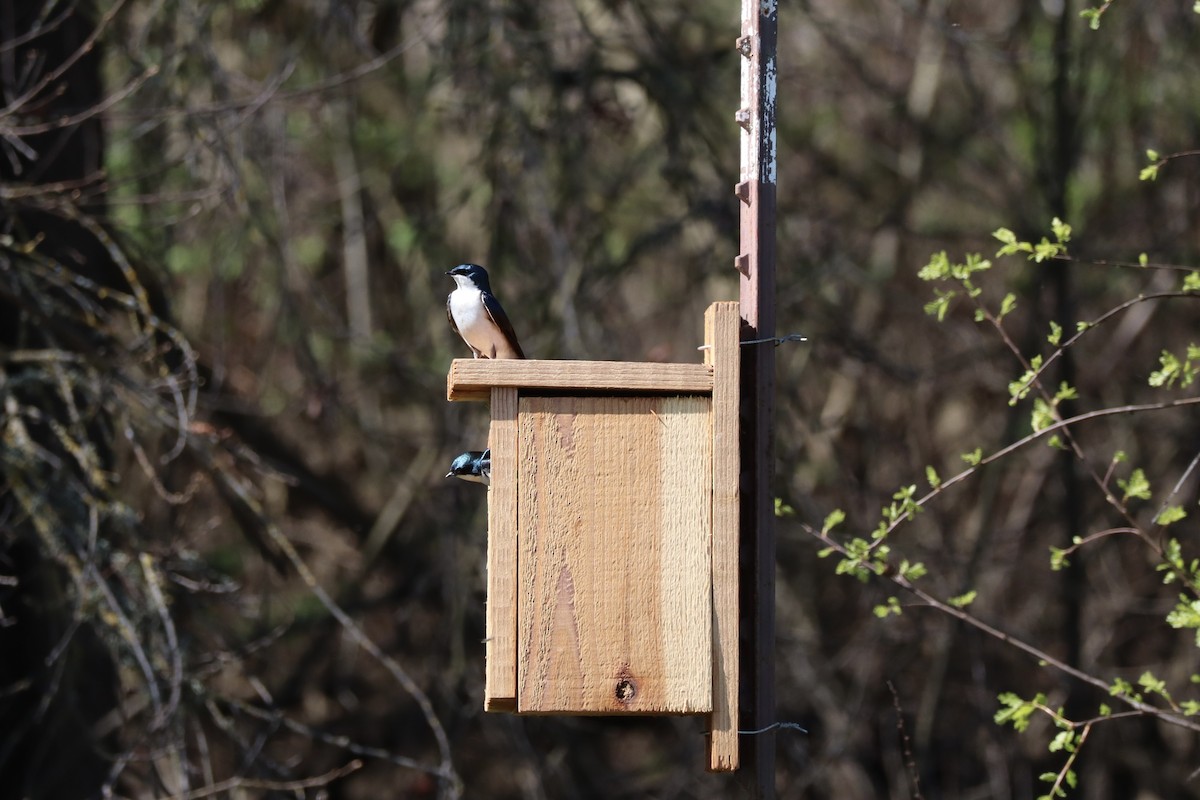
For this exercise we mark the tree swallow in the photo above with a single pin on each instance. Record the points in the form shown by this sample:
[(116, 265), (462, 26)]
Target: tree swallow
[(476, 315), (472, 466)]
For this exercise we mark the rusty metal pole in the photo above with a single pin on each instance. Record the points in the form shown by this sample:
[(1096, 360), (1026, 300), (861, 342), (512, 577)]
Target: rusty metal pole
[(756, 263)]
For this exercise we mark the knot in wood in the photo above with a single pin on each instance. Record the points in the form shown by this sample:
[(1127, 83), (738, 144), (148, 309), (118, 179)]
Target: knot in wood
[(626, 690)]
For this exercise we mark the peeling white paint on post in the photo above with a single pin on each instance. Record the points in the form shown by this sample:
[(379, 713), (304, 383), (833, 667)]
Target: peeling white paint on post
[(770, 80)]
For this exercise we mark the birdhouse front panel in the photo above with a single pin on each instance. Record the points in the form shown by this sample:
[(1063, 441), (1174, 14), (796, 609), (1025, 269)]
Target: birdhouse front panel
[(614, 526)]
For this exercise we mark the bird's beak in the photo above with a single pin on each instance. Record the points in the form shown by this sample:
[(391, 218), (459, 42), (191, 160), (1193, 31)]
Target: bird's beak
[(449, 474), (450, 273)]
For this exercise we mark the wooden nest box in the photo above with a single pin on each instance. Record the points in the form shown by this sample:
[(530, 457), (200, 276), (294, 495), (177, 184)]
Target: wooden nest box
[(612, 567)]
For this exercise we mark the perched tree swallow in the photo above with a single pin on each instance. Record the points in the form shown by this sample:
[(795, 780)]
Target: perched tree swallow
[(476, 315), (472, 466)]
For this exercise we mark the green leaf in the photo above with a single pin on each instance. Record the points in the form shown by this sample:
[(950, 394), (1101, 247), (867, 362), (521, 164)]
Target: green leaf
[(1017, 711), (835, 518), (782, 509), (1186, 616), (1149, 173), (857, 563), (1042, 416), (1011, 245), (974, 263), (937, 269), (1046, 250), (1191, 282), (1174, 369), (1063, 740), (1143, 259), (1154, 685), (963, 600), (891, 607), (1007, 305), (1058, 558), (1065, 392), (1169, 372), (940, 305), (1152, 155), (935, 480), (1169, 515), (974, 457), (1055, 333), (1135, 486), (1123, 688), (1062, 231), (1018, 389)]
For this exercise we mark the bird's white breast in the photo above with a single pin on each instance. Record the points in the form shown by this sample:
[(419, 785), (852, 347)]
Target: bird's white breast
[(466, 305)]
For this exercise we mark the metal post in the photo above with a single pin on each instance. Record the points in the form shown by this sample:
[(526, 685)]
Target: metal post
[(756, 263)]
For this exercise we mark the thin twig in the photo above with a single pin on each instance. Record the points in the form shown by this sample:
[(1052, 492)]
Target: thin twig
[(154, 589), (1061, 424), (94, 110), (910, 763), (1062, 773), (85, 47), (1037, 653), (274, 786), (344, 742), (451, 781), (1175, 489)]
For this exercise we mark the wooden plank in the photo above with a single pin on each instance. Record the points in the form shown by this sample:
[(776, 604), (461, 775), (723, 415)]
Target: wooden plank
[(500, 672), (473, 378), (614, 565), (721, 325)]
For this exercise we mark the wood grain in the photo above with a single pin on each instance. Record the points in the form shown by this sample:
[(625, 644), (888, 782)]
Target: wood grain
[(500, 649), (721, 328), (615, 510), (473, 378)]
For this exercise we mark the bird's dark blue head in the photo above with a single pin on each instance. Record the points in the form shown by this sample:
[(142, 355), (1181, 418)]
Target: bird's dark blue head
[(474, 273), (471, 465)]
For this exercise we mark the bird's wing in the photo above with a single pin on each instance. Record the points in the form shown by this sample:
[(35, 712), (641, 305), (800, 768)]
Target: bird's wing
[(492, 306), (450, 316)]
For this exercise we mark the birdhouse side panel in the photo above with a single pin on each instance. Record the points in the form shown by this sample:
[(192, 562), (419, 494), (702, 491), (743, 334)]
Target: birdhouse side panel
[(500, 683), (614, 524)]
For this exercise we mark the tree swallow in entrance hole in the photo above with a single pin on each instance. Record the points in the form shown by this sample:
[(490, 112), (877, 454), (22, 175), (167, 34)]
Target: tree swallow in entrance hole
[(476, 315), (472, 466)]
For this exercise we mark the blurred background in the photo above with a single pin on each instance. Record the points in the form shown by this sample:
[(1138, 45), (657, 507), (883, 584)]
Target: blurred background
[(223, 351)]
